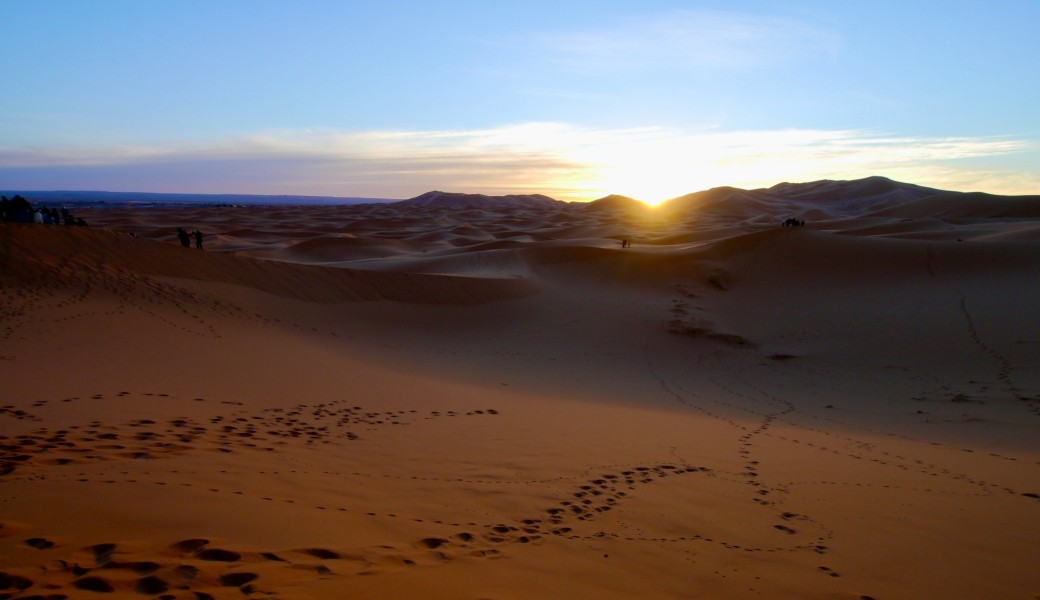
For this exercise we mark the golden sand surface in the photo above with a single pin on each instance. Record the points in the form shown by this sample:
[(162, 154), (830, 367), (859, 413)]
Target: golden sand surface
[(387, 402)]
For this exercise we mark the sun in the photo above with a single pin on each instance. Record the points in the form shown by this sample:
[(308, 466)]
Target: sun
[(646, 181), (651, 173), (649, 190), (655, 165)]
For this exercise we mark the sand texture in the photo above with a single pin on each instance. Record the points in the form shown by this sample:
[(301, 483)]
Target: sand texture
[(494, 402)]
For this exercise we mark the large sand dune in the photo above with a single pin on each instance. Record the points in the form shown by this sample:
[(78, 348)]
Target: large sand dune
[(456, 400)]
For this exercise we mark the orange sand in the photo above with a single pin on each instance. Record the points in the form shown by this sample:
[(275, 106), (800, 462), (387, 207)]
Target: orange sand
[(381, 402)]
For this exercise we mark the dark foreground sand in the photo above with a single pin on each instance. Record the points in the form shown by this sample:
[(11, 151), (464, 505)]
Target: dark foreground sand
[(388, 402)]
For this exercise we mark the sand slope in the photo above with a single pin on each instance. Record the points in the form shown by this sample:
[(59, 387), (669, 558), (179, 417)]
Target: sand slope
[(503, 403)]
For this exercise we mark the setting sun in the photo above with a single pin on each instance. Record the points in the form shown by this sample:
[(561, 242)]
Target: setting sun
[(654, 166), (648, 185), (647, 168)]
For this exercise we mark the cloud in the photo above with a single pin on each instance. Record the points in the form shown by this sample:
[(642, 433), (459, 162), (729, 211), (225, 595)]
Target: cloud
[(562, 160), (690, 40)]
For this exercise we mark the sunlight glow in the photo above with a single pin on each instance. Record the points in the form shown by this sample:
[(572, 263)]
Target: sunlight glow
[(652, 164), (655, 165), (647, 167)]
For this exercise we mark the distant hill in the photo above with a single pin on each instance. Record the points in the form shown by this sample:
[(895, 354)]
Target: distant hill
[(858, 195), (814, 200), (101, 198), (966, 205), (438, 199), (616, 202)]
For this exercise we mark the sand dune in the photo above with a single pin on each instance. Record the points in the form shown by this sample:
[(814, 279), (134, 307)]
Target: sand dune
[(968, 206), (501, 402), (110, 259)]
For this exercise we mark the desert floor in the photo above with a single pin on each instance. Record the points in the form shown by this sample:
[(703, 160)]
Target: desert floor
[(369, 402)]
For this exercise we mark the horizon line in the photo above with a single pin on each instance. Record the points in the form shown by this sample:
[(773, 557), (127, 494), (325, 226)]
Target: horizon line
[(379, 199)]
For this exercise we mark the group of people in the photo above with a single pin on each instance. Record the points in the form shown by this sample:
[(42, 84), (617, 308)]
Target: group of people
[(793, 223), (186, 238), (20, 210), (626, 244)]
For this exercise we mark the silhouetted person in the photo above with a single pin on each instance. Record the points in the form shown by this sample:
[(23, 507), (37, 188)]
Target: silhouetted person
[(183, 237), (19, 210), (198, 239)]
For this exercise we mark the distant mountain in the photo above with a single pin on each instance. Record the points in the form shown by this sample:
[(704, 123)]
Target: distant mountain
[(152, 198), (815, 199), (438, 199)]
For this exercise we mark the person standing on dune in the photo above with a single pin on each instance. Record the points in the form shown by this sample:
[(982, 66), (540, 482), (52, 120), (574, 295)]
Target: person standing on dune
[(198, 239), (183, 237)]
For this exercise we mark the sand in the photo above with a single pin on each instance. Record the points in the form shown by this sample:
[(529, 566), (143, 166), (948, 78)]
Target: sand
[(427, 402)]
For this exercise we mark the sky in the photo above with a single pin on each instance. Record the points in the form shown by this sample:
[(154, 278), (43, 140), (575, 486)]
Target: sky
[(574, 99)]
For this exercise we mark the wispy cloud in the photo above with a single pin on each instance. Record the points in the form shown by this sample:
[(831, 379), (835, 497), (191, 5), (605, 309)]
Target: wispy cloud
[(562, 160), (690, 40)]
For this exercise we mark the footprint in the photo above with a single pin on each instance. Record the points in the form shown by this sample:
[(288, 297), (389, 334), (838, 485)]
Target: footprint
[(14, 582), (216, 554), (151, 586), (102, 552), (94, 584), (39, 543), (321, 553), (189, 546), (237, 579)]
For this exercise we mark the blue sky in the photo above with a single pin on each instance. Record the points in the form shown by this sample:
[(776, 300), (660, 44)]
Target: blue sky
[(575, 99)]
